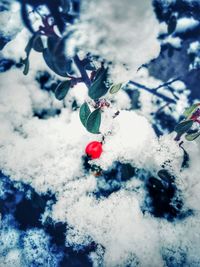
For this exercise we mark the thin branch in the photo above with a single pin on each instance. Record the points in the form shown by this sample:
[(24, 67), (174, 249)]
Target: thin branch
[(161, 108), (154, 92), (166, 84), (82, 71)]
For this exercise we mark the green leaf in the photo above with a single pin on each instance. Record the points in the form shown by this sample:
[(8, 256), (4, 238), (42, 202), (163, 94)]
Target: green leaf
[(62, 89), (52, 42), (191, 137), (50, 62), (55, 57), (38, 44), (172, 25), (115, 88), (29, 45), (84, 113), (47, 58), (183, 126), (34, 42), (165, 175), (188, 112), (98, 87), (27, 49), (57, 63), (93, 122)]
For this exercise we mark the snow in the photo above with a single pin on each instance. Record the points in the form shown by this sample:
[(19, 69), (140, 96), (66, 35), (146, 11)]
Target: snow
[(105, 31), (173, 41), (194, 47), (185, 24), (117, 223), (10, 20), (47, 154), (21, 249), (128, 144), (194, 50), (163, 28), (42, 153)]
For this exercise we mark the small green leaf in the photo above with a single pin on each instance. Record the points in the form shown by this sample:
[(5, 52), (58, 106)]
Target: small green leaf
[(188, 112), (183, 126), (192, 136), (84, 113), (98, 87), (93, 122), (26, 66), (165, 175), (62, 89), (27, 49), (115, 88)]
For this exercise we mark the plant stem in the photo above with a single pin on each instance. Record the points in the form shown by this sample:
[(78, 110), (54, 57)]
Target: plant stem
[(82, 71), (154, 92)]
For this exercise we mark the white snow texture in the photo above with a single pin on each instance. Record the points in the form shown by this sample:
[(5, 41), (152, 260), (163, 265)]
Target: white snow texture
[(47, 153)]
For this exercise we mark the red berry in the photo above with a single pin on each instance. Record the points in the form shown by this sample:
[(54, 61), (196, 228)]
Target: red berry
[(94, 149)]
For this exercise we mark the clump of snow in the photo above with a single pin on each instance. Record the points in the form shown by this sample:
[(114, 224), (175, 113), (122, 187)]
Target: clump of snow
[(125, 40), (185, 24), (189, 180), (10, 20), (162, 28), (173, 41), (36, 250), (30, 248), (126, 143), (194, 51), (194, 47), (178, 86)]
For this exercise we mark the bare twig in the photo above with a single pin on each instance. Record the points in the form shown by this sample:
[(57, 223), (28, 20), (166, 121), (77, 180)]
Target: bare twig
[(166, 84), (153, 91), (82, 71)]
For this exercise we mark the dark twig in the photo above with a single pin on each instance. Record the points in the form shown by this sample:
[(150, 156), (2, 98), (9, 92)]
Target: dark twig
[(82, 71), (166, 84), (161, 108), (153, 91)]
